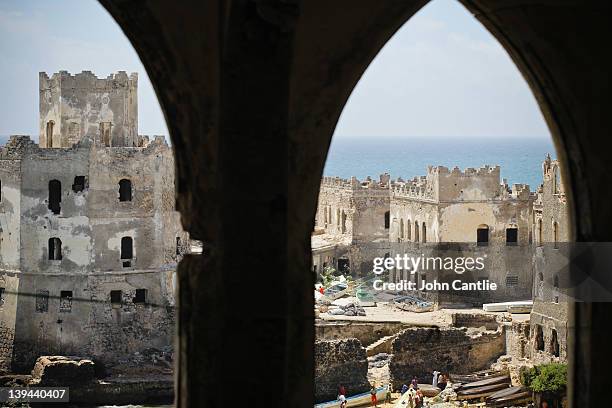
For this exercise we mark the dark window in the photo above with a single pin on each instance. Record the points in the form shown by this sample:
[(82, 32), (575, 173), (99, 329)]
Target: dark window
[(79, 184), (343, 265), (125, 190), (387, 221), (55, 249), (126, 248), (554, 343), (140, 296), (482, 236), (424, 237), (55, 196), (178, 245), (511, 236), (65, 301), (42, 301), (115, 296), (1, 296), (539, 338)]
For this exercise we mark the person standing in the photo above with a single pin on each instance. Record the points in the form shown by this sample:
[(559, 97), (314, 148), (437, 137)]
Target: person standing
[(415, 383), (388, 396), (341, 390), (373, 394), (435, 378)]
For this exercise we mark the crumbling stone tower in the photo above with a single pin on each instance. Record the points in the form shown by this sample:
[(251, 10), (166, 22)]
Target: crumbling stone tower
[(83, 107)]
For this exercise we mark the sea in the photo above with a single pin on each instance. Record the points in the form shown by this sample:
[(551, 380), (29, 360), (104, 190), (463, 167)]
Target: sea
[(520, 158)]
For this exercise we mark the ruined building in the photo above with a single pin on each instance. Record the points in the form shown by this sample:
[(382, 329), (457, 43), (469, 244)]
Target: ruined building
[(549, 317), (89, 237), (473, 210)]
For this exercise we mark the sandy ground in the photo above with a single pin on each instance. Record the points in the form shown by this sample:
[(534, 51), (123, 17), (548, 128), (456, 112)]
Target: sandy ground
[(383, 312)]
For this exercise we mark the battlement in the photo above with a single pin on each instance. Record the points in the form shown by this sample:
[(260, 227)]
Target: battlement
[(355, 184), (418, 188), (484, 171), (87, 80)]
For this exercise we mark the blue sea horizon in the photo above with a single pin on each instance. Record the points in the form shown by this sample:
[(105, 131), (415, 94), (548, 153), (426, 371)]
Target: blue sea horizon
[(520, 159)]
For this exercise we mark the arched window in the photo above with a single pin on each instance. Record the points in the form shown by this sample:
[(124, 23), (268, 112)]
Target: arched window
[(126, 248), (556, 288), (49, 133), (387, 220), (540, 233), (416, 231), (55, 249), (408, 230), (55, 196), (343, 228), (125, 190), (482, 235), (401, 228), (424, 234), (555, 234)]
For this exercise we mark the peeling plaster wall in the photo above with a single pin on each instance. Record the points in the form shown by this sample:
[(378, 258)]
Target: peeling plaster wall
[(90, 225), (77, 104)]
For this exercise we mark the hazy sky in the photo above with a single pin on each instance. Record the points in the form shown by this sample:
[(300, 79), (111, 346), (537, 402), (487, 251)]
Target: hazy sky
[(71, 35), (441, 75)]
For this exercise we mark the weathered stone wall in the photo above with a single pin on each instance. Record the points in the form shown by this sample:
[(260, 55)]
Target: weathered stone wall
[(9, 285), (549, 317), (90, 224), (73, 107), (366, 333), (517, 339), (89, 324), (339, 362), (420, 351)]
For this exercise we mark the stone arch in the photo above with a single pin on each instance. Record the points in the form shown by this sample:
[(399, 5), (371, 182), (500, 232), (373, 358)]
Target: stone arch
[(328, 55)]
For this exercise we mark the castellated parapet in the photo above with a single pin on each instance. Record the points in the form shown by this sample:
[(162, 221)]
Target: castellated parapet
[(90, 237), (79, 107)]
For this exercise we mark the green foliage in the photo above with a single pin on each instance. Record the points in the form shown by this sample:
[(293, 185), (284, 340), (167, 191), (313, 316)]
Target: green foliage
[(546, 378), (328, 275)]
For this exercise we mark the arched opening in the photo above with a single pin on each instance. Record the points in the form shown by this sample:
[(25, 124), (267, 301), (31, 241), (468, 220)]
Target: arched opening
[(543, 64), (416, 231), (482, 235), (55, 196), (408, 230), (540, 233), (401, 229), (55, 249), (555, 228), (127, 251), (387, 220), (539, 338), (125, 190), (424, 234), (554, 343)]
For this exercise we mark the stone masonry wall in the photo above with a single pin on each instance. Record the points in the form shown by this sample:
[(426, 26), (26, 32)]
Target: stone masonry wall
[(339, 362), (420, 351)]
